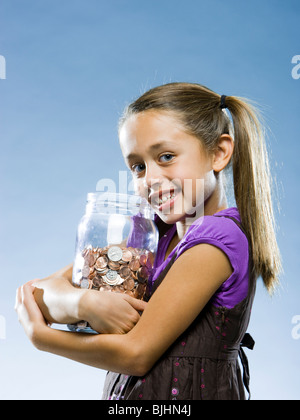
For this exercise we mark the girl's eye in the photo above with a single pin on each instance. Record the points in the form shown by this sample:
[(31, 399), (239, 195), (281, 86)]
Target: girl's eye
[(166, 158), (138, 168)]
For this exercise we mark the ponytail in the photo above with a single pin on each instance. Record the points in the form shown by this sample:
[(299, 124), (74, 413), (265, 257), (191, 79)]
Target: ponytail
[(253, 189)]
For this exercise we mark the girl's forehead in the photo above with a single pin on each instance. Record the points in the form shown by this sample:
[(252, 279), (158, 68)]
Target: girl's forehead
[(150, 126)]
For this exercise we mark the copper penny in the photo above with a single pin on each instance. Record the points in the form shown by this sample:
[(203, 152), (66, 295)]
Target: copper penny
[(125, 272), (113, 265), (142, 274), (134, 265), (104, 250), (141, 290), (128, 284), (127, 255), (97, 282), (143, 259), (101, 263)]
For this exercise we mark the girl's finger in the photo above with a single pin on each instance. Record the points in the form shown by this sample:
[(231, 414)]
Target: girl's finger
[(137, 304), (20, 294), (18, 298), (31, 282), (27, 294)]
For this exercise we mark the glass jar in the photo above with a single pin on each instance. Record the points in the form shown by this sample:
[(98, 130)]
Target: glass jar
[(115, 246)]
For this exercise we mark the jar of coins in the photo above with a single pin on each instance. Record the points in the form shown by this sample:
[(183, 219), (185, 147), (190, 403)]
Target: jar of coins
[(115, 246)]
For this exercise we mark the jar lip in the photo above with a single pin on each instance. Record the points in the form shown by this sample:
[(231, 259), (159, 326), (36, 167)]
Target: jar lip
[(126, 201)]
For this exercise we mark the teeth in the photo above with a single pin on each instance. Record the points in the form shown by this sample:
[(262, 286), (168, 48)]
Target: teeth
[(165, 198)]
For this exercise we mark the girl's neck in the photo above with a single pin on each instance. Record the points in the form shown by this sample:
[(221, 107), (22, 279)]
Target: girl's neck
[(215, 203)]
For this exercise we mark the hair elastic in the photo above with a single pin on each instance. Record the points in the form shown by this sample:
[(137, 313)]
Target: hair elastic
[(223, 104)]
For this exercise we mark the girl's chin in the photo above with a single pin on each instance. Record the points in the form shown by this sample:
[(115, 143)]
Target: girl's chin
[(170, 219)]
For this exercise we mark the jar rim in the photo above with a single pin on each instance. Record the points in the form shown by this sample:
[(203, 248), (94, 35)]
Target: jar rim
[(121, 200)]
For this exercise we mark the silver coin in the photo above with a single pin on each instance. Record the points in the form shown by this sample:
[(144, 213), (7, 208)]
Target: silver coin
[(81, 324), (111, 278), (120, 280), (84, 284), (115, 253), (112, 275)]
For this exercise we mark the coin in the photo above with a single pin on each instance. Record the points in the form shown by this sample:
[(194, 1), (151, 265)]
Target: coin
[(128, 284), (115, 253), (85, 252), (101, 263), (104, 250), (114, 265), (97, 282), (134, 265), (84, 284), (134, 251), (135, 294), (142, 274), (102, 272), (125, 272), (92, 272), (143, 259), (111, 277), (91, 259), (141, 290), (85, 271), (127, 255), (82, 324)]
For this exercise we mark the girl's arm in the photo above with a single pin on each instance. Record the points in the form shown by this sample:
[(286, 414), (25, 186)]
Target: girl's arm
[(193, 279), (62, 303)]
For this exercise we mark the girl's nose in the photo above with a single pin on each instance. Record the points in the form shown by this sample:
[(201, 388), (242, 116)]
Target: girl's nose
[(153, 177)]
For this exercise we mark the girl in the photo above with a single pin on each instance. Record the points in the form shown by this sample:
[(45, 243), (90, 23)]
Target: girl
[(186, 343)]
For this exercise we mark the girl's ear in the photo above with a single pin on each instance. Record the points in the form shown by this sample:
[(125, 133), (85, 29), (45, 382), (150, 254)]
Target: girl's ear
[(223, 154)]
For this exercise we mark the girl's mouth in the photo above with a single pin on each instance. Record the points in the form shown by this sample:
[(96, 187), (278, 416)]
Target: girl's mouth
[(163, 200)]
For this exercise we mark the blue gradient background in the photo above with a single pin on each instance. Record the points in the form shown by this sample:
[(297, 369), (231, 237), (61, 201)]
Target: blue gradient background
[(72, 66)]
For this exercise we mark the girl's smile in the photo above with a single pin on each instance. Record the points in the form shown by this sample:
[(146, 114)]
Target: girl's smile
[(170, 166)]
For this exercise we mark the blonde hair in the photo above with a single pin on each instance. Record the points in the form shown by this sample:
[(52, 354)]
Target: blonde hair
[(198, 109)]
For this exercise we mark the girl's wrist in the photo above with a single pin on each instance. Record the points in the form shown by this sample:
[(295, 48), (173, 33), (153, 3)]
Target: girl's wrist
[(84, 305), (38, 336)]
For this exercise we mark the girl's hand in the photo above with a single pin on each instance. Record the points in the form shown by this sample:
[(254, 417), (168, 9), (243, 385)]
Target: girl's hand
[(29, 314), (110, 313)]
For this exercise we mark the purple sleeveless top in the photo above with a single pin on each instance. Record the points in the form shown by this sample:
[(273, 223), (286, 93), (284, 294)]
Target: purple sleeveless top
[(223, 233)]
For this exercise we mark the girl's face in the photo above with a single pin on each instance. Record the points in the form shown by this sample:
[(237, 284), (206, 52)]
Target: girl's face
[(169, 166)]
